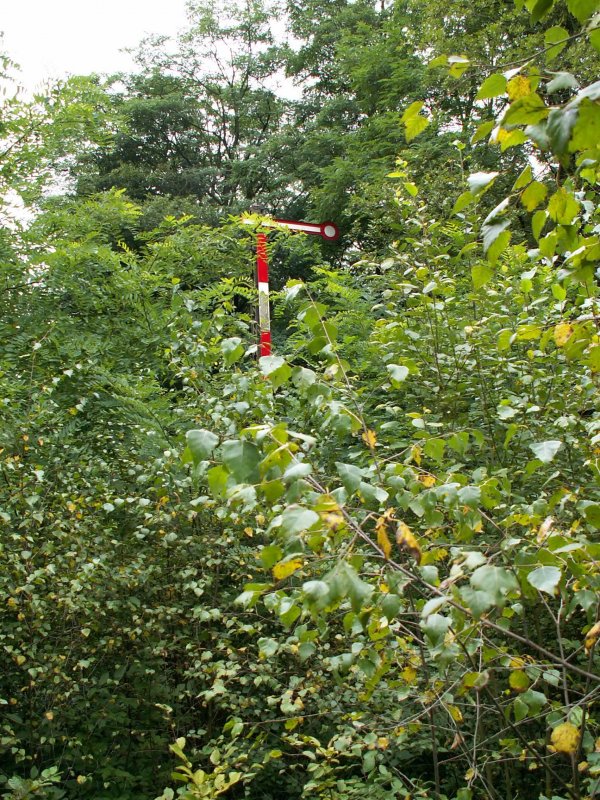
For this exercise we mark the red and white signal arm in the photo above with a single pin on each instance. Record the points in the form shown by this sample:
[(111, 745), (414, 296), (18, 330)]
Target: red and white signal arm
[(326, 230)]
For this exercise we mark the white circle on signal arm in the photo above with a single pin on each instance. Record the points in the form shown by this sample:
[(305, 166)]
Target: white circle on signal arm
[(329, 231)]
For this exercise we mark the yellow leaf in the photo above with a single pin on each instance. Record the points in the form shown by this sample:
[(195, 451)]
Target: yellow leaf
[(518, 87), (591, 637), (383, 541), (249, 532), (409, 674), (565, 738), (11, 602), (20, 660), (381, 527), (383, 742), (333, 520), (369, 439), (49, 715), (286, 568), (415, 454), (562, 333), (455, 713), (519, 681), (544, 530), (407, 541), (427, 480), (501, 135)]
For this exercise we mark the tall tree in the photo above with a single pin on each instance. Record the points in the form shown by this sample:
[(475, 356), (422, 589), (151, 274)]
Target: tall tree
[(199, 118)]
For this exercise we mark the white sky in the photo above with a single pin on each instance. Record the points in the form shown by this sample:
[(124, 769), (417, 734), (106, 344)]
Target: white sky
[(50, 38)]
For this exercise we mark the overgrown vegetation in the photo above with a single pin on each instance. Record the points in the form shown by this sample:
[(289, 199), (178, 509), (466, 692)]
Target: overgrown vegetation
[(365, 566)]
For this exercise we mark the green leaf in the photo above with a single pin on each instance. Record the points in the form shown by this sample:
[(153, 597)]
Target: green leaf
[(520, 709), (561, 122), (201, 443), (583, 9), (513, 139), (217, 480), (481, 274), (267, 647), (469, 496), (528, 332), (555, 36), (537, 223), (586, 131), (296, 471), (306, 650), (479, 181), (540, 9), (534, 195), (498, 246), (296, 519), (482, 131), (496, 581), (518, 680), (462, 201), (433, 605), (398, 374), (316, 591), (563, 207), (591, 512), (232, 350), (242, 459), (414, 126), (435, 628), (545, 579), (526, 111), (535, 701), (459, 442), (458, 65), (546, 451), (560, 82), (350, 475), (303, 377), (270, 555), (356, 589), (438, 61), (559, 292), (491, 232), (412, 110), (524, 178), (434, 448), (476, 600), (493, 86), (505, 338), (275, 369)]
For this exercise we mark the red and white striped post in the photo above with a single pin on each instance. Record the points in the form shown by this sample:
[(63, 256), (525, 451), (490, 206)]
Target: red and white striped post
[(327, 230), (262, 283)]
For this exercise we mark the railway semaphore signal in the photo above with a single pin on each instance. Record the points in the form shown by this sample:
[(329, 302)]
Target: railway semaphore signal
[(326, 230)]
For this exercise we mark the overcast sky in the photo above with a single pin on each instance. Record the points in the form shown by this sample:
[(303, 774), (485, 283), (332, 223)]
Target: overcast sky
[(50, 38)]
